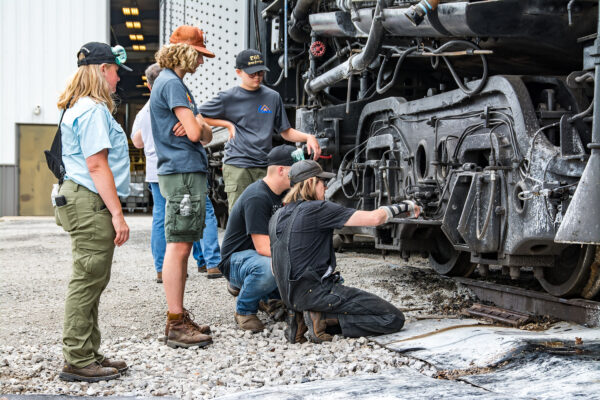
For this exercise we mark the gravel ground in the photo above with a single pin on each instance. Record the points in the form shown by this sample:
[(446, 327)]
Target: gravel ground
[(34, 271)]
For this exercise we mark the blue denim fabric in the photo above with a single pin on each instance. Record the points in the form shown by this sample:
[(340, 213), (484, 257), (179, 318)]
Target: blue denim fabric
[(207, 251), (158, 242), (251, 272), (210, 243)]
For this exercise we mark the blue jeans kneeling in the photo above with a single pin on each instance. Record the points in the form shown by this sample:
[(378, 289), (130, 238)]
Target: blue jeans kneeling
[(251, 272)]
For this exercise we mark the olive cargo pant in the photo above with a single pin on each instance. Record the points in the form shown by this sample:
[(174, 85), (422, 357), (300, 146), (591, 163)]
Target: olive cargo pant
[(92, 234), (238, 179)]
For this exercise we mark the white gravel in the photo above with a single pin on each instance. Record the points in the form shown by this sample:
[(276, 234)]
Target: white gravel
[(34, 271)]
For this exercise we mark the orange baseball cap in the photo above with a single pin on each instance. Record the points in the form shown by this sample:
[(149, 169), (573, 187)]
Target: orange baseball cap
[(192, 36)]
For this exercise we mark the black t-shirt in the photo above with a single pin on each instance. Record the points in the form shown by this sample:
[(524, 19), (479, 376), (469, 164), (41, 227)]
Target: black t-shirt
[(311, 239), (250, 215)]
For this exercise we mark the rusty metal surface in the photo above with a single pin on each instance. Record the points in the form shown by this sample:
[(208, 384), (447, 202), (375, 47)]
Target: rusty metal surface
[(513, 318), (583, 312)]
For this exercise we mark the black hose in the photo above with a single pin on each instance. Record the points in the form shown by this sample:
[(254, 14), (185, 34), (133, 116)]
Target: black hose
[(457, 79)]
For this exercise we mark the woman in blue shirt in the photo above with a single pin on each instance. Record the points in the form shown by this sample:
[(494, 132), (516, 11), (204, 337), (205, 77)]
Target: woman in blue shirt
[(96, 158)]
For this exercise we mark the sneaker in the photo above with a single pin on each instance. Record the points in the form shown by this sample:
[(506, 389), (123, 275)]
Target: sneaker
[(202, 268), (119, 365), (296, 328), (159, 277), (232, 289), (213, 273), (182, 334), (249, 322), (93, 372), (316, 327)]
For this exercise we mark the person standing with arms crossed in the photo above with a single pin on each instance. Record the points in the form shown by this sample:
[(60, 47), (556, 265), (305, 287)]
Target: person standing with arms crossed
[(205, 251), (251, 113), (96, 160), (182, 167)]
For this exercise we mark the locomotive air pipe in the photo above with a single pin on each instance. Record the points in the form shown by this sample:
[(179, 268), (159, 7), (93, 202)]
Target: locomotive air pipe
[(355, 63), (416, 13), (581, 223), (299, 19)]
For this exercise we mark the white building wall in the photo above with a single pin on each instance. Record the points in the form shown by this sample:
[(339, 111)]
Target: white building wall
[(39, 40), (225, 25)]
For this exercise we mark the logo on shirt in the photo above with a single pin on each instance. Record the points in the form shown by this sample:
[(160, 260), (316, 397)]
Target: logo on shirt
[(264, 109)]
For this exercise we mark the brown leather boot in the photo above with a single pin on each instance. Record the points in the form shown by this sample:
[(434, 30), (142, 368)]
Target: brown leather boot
[(121, 366), (232, 290), (159, 277), (187, 316), (296, 328), (249, 322), (182, 334), (93, 372), (316, 327)]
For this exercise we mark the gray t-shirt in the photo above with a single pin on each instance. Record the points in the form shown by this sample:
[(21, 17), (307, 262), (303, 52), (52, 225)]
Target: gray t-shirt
[(256, 115), (176, 154)]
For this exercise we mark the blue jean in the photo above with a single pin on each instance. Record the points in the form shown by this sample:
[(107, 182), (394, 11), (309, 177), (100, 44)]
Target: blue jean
[(158, 243), (207, 251), (251, 272)]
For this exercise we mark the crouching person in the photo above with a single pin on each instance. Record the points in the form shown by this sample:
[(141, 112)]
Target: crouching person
[(304, 262), (246, 248)]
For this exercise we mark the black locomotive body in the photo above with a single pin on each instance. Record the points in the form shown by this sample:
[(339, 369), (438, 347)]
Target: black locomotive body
[(481, 113)]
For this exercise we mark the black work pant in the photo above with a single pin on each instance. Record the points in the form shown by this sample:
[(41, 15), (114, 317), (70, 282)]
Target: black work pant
[(359, 313)]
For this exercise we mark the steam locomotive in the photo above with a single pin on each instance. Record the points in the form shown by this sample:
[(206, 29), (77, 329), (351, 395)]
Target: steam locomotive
[(480, 111)]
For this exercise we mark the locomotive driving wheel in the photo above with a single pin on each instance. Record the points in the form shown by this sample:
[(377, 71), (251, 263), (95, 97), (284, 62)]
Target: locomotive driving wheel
[(446, 260), (572, 272)]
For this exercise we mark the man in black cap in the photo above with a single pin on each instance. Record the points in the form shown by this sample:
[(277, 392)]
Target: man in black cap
[(301, 236), (246, 251), (252, 113)]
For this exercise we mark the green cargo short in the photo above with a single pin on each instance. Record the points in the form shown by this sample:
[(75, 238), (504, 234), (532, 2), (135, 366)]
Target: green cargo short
[(180, 228), (238, 179)]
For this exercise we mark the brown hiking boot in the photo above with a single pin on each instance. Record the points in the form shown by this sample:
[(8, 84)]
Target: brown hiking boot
[(213, 273), (232, 289), (274, 308), (296, 328), (93, 372), (119, 365), (188, 320), (187, 316), (249, 322), (202, 268), (159, 277), (316, 327), (182, 334)]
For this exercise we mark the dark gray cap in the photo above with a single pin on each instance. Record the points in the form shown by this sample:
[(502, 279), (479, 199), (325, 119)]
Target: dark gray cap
[(304, 169)]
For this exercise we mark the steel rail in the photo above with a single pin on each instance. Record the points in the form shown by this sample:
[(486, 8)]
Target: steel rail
[(530, 302)]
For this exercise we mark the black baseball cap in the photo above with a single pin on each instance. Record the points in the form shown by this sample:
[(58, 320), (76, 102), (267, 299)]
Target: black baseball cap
[(281, 155), (304, 169), (250, 61), (101, 53)]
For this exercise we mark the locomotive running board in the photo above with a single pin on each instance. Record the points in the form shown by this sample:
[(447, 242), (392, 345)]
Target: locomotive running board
[(580, 311)]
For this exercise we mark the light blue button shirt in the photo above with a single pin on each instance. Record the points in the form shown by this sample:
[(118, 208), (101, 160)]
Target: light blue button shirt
[(87, 128)]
